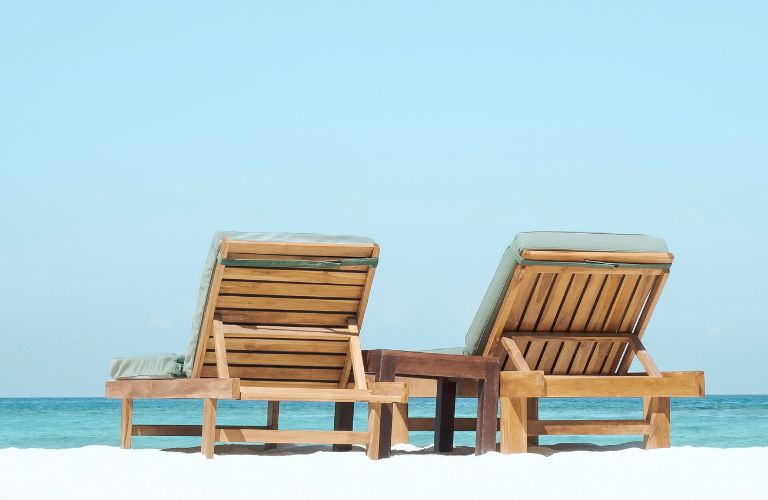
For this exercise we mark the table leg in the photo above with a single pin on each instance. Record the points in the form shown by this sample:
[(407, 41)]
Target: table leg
[(445, 413), (533, 414), (273, 417), (385, 373), (487, 407), (343, 416)]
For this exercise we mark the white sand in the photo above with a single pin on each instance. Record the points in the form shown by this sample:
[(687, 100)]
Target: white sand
[(110, 473)]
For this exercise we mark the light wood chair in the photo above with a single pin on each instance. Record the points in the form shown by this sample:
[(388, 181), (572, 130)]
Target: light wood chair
[(281, 323), (565, 313), (569, 324)]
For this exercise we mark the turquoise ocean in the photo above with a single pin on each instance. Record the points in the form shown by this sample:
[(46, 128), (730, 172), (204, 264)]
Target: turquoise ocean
[(713, 421)]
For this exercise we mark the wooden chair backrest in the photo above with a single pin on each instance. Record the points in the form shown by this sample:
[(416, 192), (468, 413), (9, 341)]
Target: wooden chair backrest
[(571, 313), (286, 326)]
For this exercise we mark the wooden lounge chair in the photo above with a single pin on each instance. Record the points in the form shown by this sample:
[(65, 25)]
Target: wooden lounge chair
[(566, 312), (277, 320)]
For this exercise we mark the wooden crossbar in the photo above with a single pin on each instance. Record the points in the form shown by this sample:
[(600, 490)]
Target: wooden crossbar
[(306, 333), (548, 427), (253, 433), (515, 355), (582, 337), (182, 430), (517, 358), (383, 392), (217, 388), (583, 427), (248, 435), (587, 256), (536, 384)]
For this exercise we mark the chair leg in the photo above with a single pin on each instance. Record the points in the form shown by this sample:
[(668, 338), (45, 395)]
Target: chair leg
[(373, 449), (400, 423), (209, 427), (514, 425), (656, 412), (126, 423), (273, 416)]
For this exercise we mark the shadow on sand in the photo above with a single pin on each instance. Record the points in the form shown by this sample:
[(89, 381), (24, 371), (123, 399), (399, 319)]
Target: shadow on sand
[(398, 450)]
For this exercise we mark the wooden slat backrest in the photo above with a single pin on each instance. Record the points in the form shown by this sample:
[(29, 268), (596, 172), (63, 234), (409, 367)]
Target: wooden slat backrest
[(551, 296), (285, 325), (283, 357)]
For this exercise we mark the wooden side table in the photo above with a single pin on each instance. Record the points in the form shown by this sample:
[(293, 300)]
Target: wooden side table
[(386, 364)]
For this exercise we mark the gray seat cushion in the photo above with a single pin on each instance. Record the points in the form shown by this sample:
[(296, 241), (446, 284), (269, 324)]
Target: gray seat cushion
[(153, 366), (446, 350), (481, 325)]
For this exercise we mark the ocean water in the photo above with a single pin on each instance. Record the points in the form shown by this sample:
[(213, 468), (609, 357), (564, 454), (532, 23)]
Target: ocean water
[(714, 421)]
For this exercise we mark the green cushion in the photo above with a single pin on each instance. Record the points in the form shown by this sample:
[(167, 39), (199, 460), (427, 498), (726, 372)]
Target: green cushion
[(446, 350), (480, 329), (148, 367)]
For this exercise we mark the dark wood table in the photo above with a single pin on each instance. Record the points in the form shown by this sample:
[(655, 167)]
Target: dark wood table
[(386, 364)]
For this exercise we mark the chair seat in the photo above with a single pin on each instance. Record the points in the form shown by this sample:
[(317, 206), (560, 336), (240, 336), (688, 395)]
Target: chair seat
[(151, 366)]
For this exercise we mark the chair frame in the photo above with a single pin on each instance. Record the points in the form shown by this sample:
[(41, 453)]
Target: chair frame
[(213, 382), (617, 339), (602, 340)]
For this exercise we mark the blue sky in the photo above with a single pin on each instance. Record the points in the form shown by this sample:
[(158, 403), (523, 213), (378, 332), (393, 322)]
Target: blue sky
[(131, 131)]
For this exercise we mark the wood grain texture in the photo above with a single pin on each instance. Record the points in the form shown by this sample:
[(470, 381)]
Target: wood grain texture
[(516, 357), (287, 304), (642, 322), (176, 389), (278, 373), (126, 423), (392, 392), (657, 416), (358, 368), (374, 430), (281, 359), (584, 256), (287, 345), (305, 290), (251, 435), (302, 249), (220, 350), (284, 318), (209, 427), (366, 292), (514, 425), (536, 384), (587, 427), (296, 276), (210, 307), (513, 290)]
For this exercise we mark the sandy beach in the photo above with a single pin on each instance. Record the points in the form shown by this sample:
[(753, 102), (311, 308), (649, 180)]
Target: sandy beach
[(107, 472)]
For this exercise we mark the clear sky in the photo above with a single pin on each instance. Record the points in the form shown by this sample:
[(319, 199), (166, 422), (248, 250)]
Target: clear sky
[(131, 131)]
